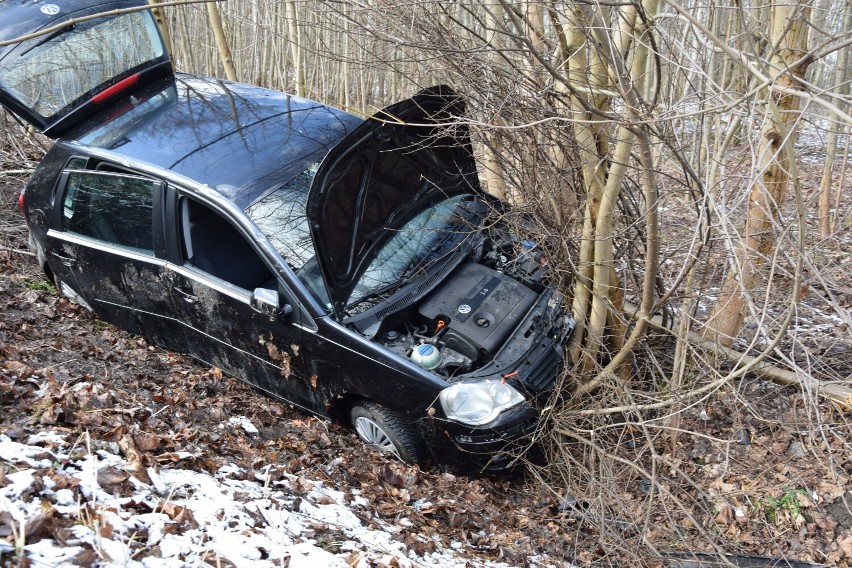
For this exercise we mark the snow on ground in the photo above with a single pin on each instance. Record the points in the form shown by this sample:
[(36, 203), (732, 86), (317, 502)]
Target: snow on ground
[(187, 518)]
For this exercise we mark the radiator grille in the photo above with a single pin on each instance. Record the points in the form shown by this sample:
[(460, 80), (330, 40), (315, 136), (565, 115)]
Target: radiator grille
[(541, 375)]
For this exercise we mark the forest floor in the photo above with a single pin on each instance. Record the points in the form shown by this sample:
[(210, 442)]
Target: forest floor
[(116, 451)]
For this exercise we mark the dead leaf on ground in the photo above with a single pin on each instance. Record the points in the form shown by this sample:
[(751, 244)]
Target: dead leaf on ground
[(178, 513), (111, 475), (22, 370), (135, 459), (148, 442)]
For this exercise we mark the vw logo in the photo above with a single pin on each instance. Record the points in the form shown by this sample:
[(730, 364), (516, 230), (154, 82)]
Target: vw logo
[(50, 9), (464, 309)]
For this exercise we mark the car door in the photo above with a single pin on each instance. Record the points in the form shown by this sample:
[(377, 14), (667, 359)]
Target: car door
[(102, 244), (212, 289)]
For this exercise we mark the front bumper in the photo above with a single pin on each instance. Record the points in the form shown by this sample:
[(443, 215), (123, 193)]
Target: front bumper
[(500, 446)]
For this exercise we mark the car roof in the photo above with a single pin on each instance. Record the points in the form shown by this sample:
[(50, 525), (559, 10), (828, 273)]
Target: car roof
[(240, 140)]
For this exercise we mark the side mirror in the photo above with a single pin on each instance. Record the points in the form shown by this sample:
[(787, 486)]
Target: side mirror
[(265, 301)]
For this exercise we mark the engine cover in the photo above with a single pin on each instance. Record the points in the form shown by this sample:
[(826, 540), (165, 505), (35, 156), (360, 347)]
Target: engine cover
[(480, 308)]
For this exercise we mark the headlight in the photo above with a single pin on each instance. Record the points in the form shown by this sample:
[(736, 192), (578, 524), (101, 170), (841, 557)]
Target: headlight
[(478, 403)]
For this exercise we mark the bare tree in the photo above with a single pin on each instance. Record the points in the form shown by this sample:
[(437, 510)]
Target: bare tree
[(655, 143)]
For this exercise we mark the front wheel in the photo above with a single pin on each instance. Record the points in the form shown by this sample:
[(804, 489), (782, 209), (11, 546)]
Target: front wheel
[(386, 430)]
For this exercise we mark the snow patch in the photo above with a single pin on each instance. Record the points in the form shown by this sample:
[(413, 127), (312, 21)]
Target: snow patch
[(244, 423), (189, 518)]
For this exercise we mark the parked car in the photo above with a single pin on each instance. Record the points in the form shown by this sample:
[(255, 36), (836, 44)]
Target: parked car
[(353, 268)]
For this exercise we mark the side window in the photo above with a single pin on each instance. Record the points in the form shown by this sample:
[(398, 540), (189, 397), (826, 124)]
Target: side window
[(116, 209), (215, 246), (76, 163)]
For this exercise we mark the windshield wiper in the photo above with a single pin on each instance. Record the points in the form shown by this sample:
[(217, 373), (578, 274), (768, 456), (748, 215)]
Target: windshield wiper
[(380, 293), (434, 254), (415, 267), (55, 34)]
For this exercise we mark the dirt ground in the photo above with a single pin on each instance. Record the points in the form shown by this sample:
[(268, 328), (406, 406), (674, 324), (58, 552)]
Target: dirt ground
[(770, 466), (173, 410)]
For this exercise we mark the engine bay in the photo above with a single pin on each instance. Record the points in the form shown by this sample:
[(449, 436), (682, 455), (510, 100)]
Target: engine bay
[(462, 322), (476, 309)]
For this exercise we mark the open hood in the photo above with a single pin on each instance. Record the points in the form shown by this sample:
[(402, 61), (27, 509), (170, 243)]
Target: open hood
[(57, 79), (405, 158)]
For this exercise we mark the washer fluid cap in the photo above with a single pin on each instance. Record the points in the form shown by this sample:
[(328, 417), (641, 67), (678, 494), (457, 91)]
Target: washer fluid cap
[(426, 355)]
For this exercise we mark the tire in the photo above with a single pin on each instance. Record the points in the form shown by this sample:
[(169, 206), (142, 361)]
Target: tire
[(386, 430)]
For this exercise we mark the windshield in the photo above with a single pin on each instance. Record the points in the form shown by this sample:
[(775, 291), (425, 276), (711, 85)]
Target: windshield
[(280, 216), (65, 67)]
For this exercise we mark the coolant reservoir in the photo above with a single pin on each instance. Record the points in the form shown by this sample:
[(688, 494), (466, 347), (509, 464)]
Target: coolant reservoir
[(426, 355)]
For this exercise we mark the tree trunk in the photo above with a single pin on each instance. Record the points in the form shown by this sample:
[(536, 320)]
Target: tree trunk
[(495, 173), (776, 159), (164, 26), (592, 167), (597, 291), (221, 41), (296, 48), (825, 193)]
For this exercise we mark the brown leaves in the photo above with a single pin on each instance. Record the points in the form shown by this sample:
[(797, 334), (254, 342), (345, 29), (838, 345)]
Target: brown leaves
[(279, 356), (301, 485), (41, 525), (149, 442), (178, 514), (274, 352), (111, 475), (841, 550), (400, 475), (63, 481), (420, 546), (135, 459), (21, 370)]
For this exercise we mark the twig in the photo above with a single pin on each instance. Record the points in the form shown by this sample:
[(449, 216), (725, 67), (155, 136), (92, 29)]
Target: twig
[(839, 393), (18, 251)]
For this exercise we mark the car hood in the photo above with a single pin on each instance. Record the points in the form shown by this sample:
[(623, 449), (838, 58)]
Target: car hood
[(403, 159)]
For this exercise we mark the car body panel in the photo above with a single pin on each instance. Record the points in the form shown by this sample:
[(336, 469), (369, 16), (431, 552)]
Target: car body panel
[(79, 255), (384, 172), (191, 125)]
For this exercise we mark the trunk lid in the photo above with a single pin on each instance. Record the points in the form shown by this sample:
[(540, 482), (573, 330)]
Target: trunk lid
[(69, 72)]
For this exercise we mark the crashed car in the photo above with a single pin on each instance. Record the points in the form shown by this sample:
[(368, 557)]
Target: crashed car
[(352, 268)]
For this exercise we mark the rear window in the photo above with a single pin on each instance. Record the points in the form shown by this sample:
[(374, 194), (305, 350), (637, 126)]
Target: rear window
[(71, 63)]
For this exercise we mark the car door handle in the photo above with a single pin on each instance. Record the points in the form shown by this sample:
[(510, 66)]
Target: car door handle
[(66, 260), (189, 298)]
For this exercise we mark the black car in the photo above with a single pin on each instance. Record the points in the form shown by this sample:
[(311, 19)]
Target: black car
[(352, 268)]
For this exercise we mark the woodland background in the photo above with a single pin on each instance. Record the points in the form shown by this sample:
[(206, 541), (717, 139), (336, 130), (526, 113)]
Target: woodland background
[(689, 162)]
